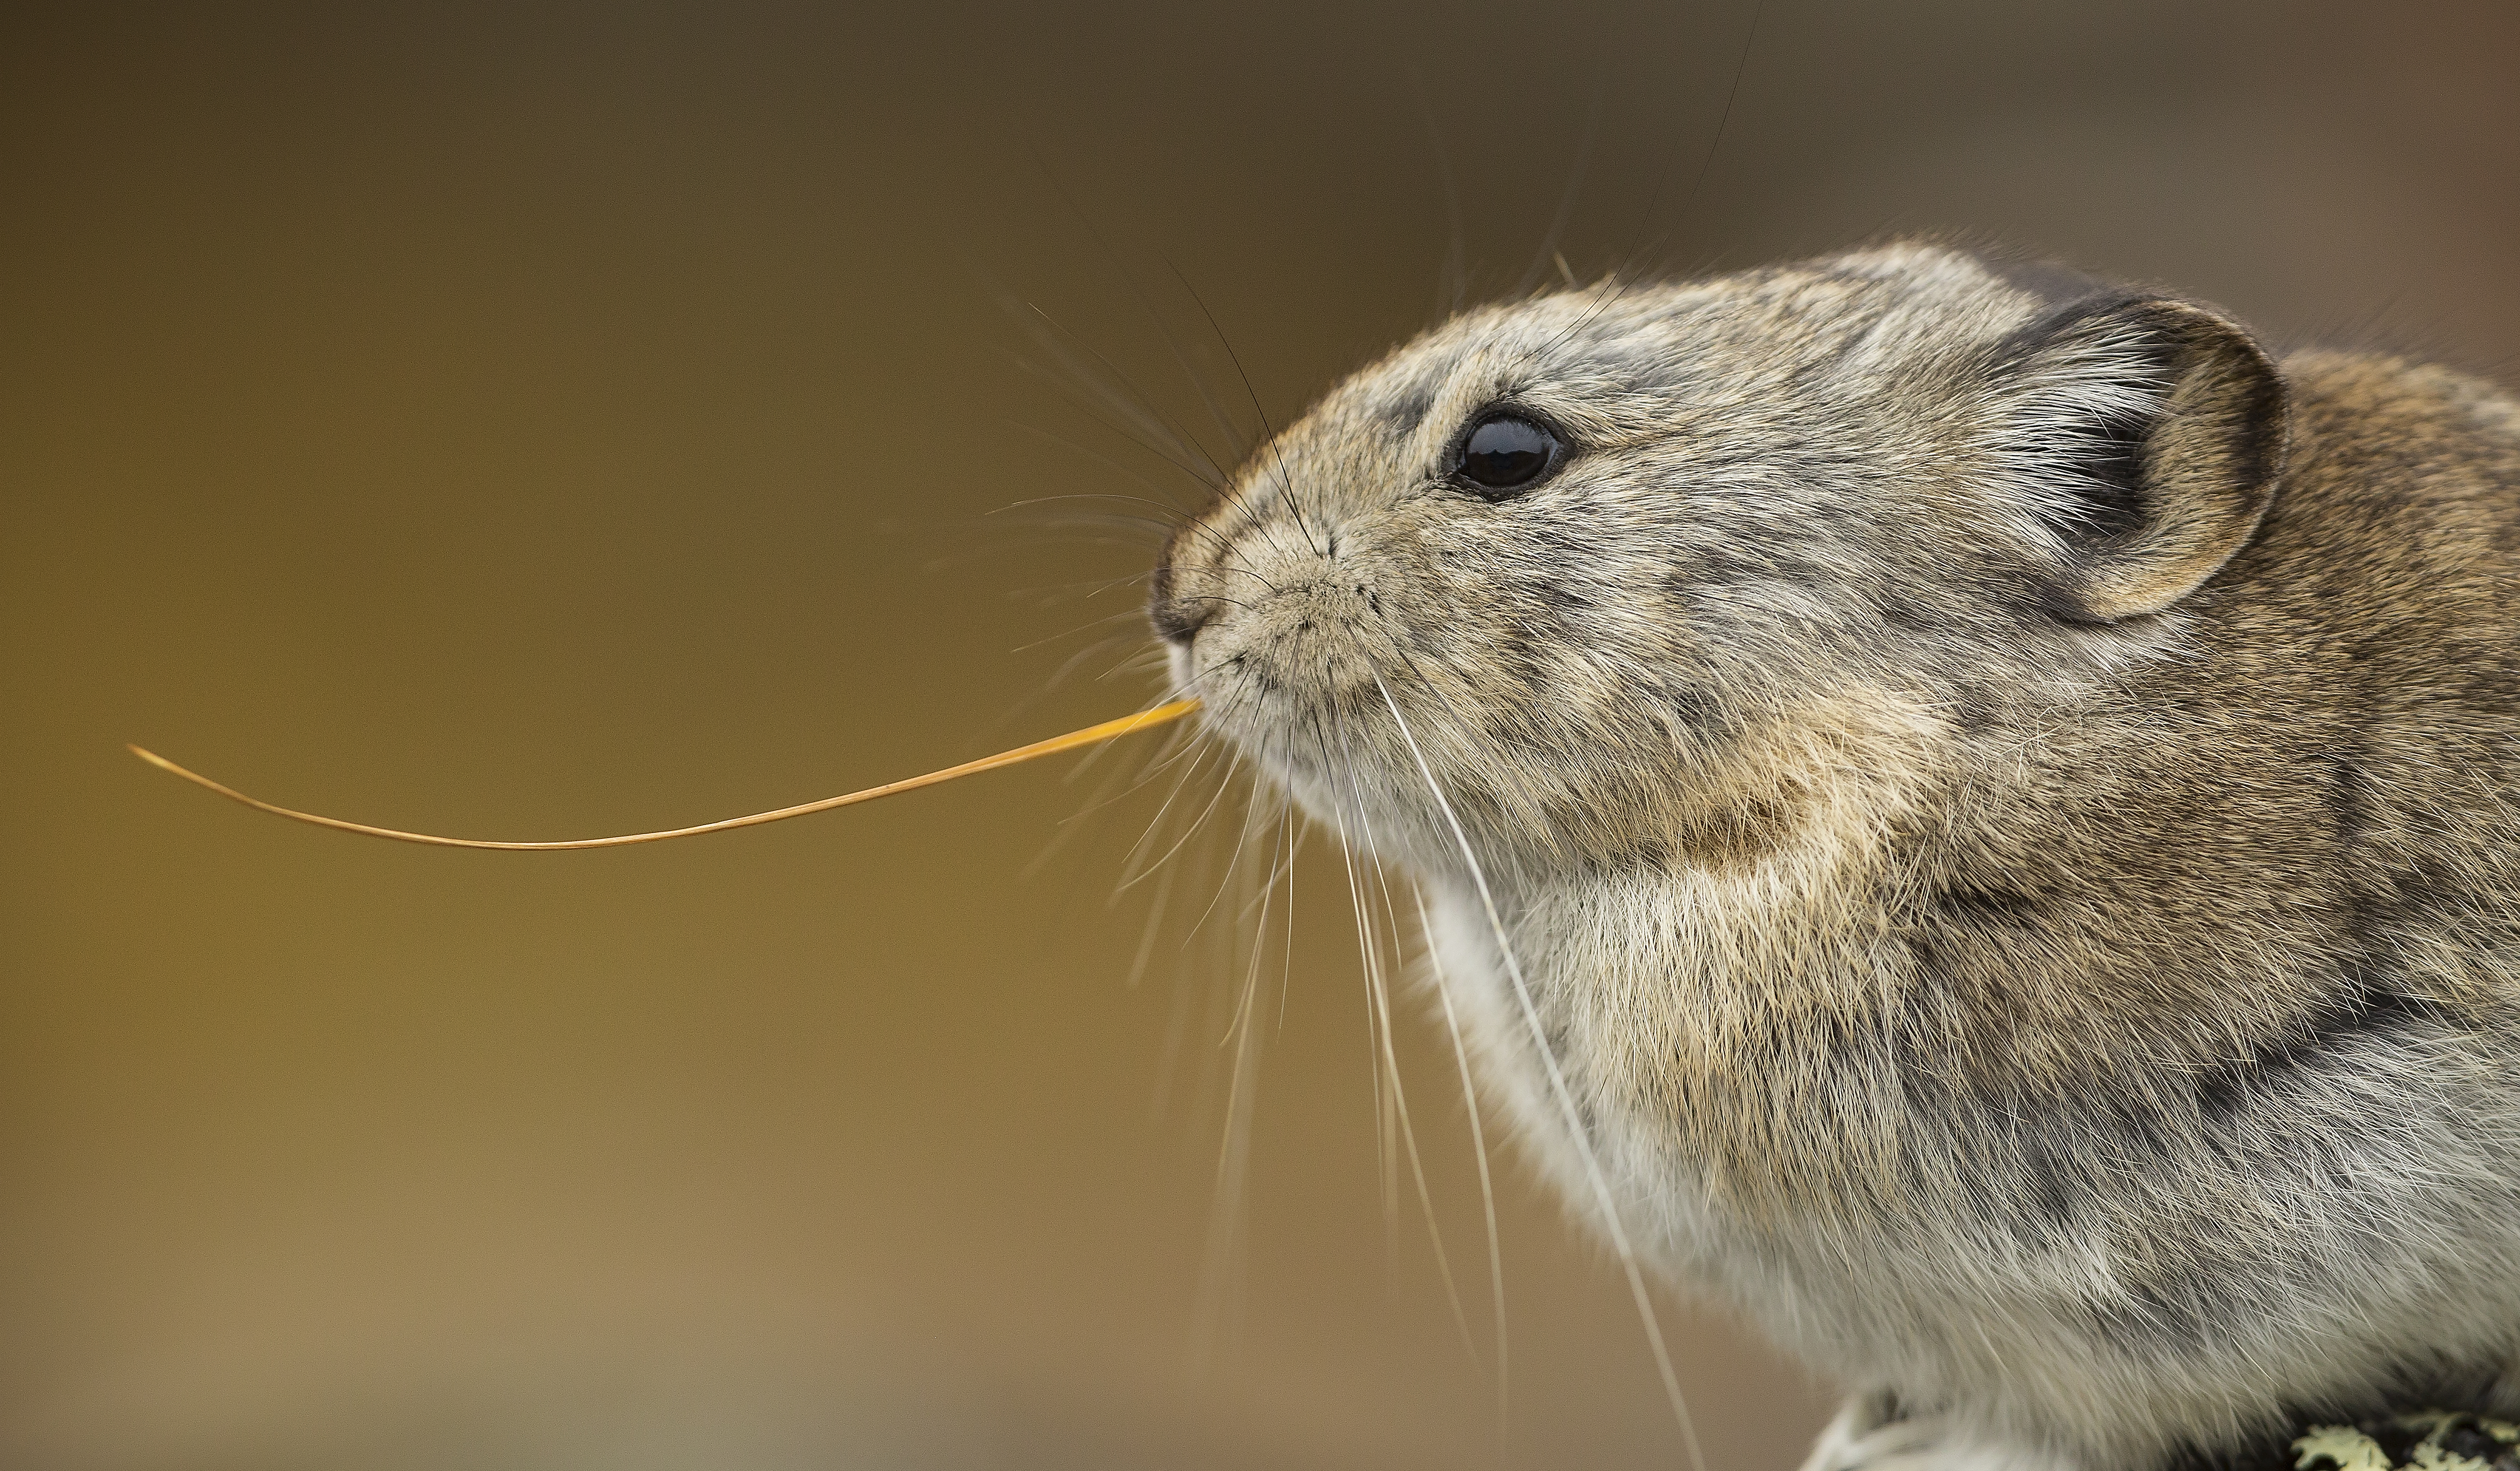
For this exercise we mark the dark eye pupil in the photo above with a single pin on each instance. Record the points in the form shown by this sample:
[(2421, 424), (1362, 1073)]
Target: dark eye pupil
[(1504, 454)]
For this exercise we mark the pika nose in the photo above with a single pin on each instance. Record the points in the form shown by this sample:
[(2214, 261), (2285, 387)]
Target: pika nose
[(1179, 620)]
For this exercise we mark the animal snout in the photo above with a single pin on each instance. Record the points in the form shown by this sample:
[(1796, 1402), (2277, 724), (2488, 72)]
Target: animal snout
[(1177, 618)]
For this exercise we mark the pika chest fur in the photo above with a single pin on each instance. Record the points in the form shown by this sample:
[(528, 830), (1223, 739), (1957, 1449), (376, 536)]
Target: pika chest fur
[(1978, 807)]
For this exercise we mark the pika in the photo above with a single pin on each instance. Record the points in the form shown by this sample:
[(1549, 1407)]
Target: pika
[(1970, 814)]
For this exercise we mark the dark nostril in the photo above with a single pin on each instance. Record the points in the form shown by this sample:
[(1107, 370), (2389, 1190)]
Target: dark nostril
[(1181, 619), (1176, 618)]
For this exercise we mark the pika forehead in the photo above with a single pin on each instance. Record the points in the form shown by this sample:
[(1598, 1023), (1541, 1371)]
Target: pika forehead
[(1616, 359)]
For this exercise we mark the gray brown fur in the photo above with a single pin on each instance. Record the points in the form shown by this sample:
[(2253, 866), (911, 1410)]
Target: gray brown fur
[(2050, 957)]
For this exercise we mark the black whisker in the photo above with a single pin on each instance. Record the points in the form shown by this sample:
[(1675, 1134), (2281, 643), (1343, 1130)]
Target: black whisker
[(1206, 480), (1286, 482), (1654, 203), (1566, 201), (1452, 279), (1232, 437)]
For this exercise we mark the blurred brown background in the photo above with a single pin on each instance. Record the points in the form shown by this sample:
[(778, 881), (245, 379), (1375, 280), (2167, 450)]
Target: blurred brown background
[(545, 420)]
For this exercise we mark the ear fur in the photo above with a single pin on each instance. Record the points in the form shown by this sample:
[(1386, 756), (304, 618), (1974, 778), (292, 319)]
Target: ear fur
[(2147, 436)]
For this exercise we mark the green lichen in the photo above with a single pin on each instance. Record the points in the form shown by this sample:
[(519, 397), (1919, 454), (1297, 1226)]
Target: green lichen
[(2432, 1439), (2349, 1449)]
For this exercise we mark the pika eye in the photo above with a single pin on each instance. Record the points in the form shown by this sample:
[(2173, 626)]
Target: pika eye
[(1504, 455)]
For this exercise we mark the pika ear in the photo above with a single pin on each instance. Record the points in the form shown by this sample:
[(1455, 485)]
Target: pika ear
[(2146, 436)]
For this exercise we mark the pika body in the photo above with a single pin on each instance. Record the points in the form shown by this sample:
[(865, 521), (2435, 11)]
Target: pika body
[(1968, 813)]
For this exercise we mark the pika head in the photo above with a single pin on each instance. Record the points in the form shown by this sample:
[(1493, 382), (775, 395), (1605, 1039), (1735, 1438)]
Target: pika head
[(1606, 548)]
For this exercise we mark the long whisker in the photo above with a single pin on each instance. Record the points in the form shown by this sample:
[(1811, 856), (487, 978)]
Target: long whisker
[(1232, 437), (1180, 520), (1367, 954), (1181, 783), (1391, 911), (1145, 661), (1211, 478), (1566, 201), (1219, 1290), (1478, 1145), (1144, 404), (1232, 763), (1417, 1163), (1287, 952), (1600, 1182), (1185, 521), (1119, 784), (1654, 203), (1266, 902), (1453, 281), (1068, 666), (1379, 994), (1100, 527), (1049, 594), (1174, 515), (1241, 844), (1133, 405), (1150, 772), (1177, 1022), (1154, 926), (1286, 482)]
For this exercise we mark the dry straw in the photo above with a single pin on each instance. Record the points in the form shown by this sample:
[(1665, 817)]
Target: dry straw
[(1092, 735)]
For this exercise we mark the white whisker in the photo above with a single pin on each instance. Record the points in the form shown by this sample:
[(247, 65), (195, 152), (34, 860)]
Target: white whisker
[(1377, 1021), (1154, 926), (1149, 769), (1130, 873), (1479, 1144), (1378, 992), (1225, 783), (1178, 1018), (1252, 798), (1220, 1287), (1287, 952), (1566, 1098)]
